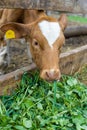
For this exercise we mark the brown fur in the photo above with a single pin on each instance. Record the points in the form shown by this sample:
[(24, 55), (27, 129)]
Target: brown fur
[(46, 58)]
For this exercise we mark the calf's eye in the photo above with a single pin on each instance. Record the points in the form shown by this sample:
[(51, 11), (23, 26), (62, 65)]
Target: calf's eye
[(35, 43)]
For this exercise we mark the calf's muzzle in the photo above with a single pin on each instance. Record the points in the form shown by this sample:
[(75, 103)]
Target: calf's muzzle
[(50, 74)]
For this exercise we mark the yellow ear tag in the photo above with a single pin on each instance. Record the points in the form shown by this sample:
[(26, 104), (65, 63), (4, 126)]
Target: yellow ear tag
[(10, 34)]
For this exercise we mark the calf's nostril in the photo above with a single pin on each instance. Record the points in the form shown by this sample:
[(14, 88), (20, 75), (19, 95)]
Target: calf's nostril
[(49, 74)]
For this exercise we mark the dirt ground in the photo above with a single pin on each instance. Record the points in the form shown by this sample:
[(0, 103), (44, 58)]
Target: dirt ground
[(74, 42)]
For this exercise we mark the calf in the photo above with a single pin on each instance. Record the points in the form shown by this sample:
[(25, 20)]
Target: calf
[(45, 37)]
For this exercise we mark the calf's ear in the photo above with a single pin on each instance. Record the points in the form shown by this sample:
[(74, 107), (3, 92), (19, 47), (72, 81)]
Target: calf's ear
[(19, 30), (63, 21)]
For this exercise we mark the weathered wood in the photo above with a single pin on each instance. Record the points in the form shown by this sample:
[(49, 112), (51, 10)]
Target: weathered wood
[(75, 30), (69, 63), (9, 81), (66, 5), (59, 5)]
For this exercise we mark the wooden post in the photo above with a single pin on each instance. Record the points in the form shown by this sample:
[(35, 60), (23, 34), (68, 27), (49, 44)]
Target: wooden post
[(58, 5)]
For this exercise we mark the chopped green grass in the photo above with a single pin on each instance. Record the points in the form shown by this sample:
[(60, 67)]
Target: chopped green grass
[(82, 74), (77, 19), (40, 105)]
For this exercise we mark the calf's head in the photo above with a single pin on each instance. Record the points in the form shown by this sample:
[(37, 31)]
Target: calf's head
[(46, 38)]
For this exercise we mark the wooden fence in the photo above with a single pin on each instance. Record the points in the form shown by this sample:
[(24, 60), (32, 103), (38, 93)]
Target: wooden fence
[(76, 6)]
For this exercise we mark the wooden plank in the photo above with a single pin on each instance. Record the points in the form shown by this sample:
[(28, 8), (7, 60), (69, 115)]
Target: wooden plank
[(70, 62), (8, 81), (75, 30), (60, 5)]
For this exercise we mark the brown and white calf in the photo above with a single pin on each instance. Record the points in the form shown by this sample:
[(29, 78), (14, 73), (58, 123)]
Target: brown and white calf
[(44, 34)]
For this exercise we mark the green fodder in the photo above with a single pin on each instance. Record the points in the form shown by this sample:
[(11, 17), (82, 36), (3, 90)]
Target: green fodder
[(82, 74), (40, 105)]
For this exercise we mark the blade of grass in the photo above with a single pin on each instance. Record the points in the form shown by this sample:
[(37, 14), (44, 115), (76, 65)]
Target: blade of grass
[(54, 101)]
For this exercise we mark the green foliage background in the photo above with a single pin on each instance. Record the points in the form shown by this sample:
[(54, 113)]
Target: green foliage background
[(77, 19)]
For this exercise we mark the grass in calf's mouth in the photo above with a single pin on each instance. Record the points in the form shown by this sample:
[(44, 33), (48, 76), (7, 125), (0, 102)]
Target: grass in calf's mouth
[(39, 105)]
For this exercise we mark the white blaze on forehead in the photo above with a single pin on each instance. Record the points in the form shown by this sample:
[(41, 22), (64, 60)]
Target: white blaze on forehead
[(51, 31)]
